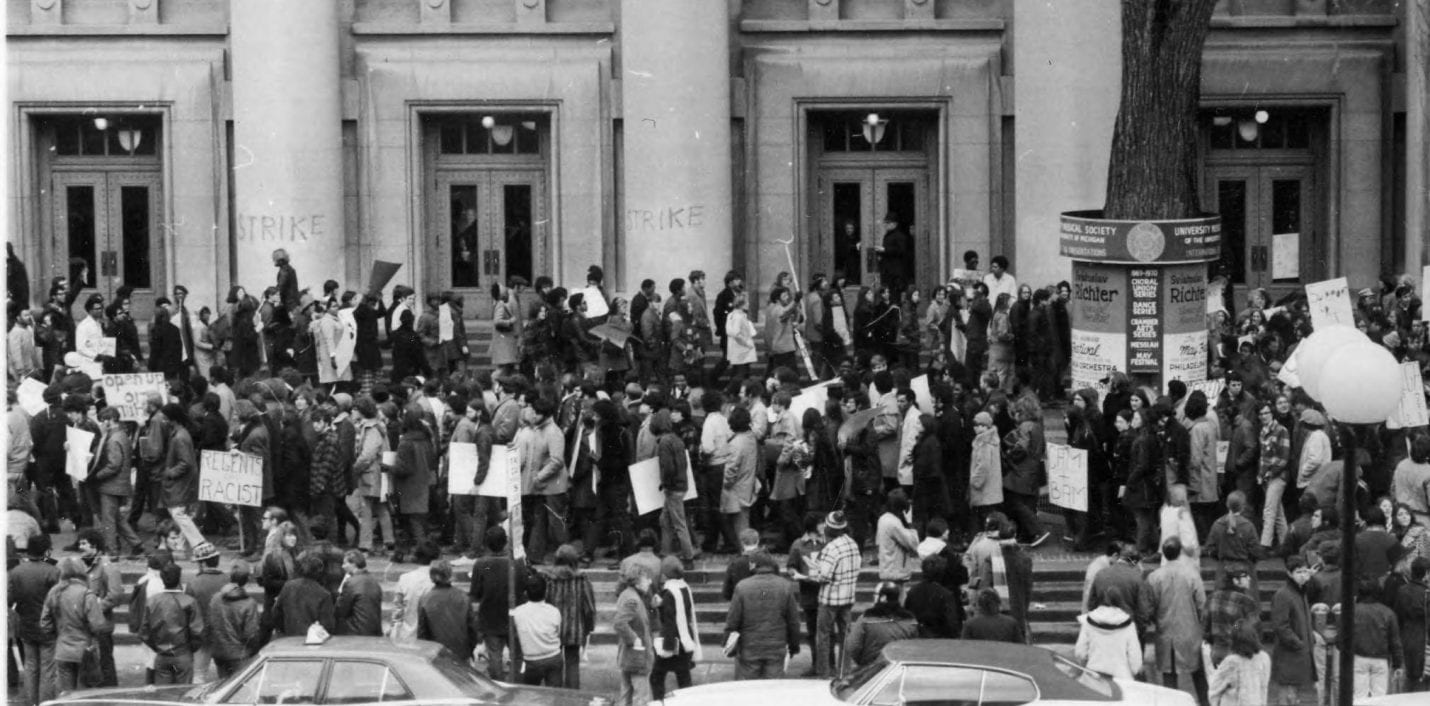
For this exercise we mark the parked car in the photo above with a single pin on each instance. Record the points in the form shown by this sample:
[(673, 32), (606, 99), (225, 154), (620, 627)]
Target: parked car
[(946, 673), (343, 670)]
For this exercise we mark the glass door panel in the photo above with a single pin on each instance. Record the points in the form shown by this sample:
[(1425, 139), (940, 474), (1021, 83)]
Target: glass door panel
[(488, 226), (1285, 206), (903, 193), (134, 248), (846, 216), (79, 228)]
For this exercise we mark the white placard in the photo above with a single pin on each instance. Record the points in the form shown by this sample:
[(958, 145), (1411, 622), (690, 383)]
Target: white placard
[(444, 323), (595, 303), (231, 478), (1411, 411), (1289, 372), (1424, 290), (108, 346), (922, 394), (1330, 303), (1095, 355), (1286, 256), (1223, 449), (129, 392), (645, 485), (1184, 356), (1067, 477), (94, 370), (813, 397), (497, 484), (31, 396), (1211, 388), (461, 468), (347, 339), (691, 493), (77, 455), (511, 464)]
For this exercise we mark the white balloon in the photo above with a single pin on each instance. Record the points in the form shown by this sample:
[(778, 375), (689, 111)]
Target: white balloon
[(1360, 383), (1317, 348)]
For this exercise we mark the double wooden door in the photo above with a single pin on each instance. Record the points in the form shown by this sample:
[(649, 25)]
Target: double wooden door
[(110, 220), (484, 226)]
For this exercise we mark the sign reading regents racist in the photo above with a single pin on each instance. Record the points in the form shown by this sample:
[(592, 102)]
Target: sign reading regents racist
[(231, 478)]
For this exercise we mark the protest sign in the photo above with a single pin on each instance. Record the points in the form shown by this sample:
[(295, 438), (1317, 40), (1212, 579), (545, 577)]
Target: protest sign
[(922, 394), (347, 339), (108, 346), (595, 303), (1411, 411), (1223, 449), (1067, 477), (691, 493), (1424, 289), (381, 274), (1211, 388), (461, 468), (645, 486), (231, 478), (507, 459), (1330, 303), (813, 397), (77, 453), (129, 392), (31, 396), (504, 462)]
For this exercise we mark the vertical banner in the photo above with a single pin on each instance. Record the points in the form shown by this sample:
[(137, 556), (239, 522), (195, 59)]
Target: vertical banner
[(511, 465), (1330, 303), (1411, 412), (1099, 328), (1067, 477), (1144, 321), (1184, 323)]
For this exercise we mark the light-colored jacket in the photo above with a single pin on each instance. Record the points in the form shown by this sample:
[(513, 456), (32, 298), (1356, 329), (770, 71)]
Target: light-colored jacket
[(327, 331), (1174, 601), (1107, 642), (632, 627), (1202, 468), (740, 346), (542, 450), (1316, 452), (985, 475), (740, 460), (909, 431), (24, 355), (1241, 681), (898, 549), (371, 441)]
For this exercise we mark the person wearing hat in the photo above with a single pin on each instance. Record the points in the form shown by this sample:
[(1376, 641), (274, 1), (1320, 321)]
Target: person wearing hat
[(836, 569), (884, 622), (207, 583), (896, 256), (1233, 601)]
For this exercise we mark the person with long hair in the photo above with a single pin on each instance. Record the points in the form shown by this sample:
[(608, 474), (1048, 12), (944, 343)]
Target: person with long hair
[(413, 473), (632, 625), (740, 337), (72, 619), (1023, 450), (740, 461), (1001, 339), (1107, 638), (1244, 677)]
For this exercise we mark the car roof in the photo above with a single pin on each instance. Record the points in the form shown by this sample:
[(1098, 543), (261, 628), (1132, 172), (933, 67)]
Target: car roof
[(1033, 662), (353, 646)]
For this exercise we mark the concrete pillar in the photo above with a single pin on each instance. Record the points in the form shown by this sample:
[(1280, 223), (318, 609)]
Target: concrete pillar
[(1067, 58), (1417, 124), (676, 106), (287, 168)]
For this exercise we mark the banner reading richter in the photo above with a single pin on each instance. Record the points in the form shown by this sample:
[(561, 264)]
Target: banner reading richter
[(1099, 338)]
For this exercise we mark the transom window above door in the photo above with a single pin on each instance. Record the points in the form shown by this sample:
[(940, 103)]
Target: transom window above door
[(490, 133), (873, 131), (101, 135), (1269, 128)]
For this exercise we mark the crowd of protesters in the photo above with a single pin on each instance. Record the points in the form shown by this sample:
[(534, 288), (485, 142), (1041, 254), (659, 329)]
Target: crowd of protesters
[(354, 449)]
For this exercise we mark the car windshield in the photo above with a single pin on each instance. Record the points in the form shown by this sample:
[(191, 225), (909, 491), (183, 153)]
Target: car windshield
[(846, 687), (1090, 679), (467, 680), (208, 692)]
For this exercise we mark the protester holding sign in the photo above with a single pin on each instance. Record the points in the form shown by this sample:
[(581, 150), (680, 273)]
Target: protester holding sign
[(109, 480)]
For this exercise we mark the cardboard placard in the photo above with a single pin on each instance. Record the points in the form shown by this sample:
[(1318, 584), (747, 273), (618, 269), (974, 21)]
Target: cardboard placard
[(1411, 412), (462, 465), (129, 392), (1211, 388), (645, 484), (1223, 449), (923, 396), (1286, 256), (595, 303), (108, 346), (1067, 477), (77, 454), (813, 397), (1330, 303), (231, 478), (31, 396), (511, 466), (347, 339)]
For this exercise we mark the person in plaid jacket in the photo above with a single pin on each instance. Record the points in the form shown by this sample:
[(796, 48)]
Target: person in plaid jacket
[(327, 480)]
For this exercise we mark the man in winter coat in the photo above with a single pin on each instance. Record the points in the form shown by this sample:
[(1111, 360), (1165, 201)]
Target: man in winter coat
[(109, 481), (764, 612), (1233, 541), (1203, 473), (108, 587), (674, 531), (359, 606), (304, 601), (544, 479), (1293, 670), (935, 607), (71, 619), (490, 576), (204, 586), (1173, 600), (29, 584), (445, 616), (1124, 574), (883, 623), (173, 628)]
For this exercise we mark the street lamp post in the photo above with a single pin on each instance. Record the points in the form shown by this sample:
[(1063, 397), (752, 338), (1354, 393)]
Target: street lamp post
[(1358, 382)]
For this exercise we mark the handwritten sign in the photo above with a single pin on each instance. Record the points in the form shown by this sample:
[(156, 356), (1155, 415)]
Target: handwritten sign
[(231, 478), (512, 467), (129, 392), (645, 485), (77, 453), (1211, 388), (1411, 412), (31, 396), (1067, 477), (1330, 303)]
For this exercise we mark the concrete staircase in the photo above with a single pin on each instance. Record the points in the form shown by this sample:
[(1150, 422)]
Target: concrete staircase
[(1057, 595)]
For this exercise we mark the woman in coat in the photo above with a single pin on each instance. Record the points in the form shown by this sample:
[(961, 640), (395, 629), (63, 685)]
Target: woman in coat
[(1107, 641), (740, 336), (985, 469), (632, 625), (1142, 492), (737, 491), (327, 332), (206, 354), (677, 646), (368, 351), (371, 442), (244, 356), (1244, 677), (73, 618), (505, 347), (412, 475), (1023, 473)]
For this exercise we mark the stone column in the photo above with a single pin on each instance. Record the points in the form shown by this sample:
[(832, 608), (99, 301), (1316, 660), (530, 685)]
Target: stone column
[(1417, 123), (287, 152), (1068, 62), (676, 106)]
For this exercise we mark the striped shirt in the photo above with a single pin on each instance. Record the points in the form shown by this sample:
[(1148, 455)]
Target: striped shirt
[(1275, 452), (837, 570)]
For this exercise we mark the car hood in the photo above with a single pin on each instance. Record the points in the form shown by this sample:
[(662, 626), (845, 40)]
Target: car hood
[(174, 694), (547, 696), (1136, 692), (787, 692)]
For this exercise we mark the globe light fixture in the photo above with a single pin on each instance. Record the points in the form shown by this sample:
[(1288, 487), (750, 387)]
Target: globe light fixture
[(1359, 383), (101, 124), (1262, 116), (488, 121), (1313, 352)]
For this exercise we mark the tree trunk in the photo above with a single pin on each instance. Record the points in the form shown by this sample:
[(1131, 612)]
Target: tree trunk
[(1152, 173)]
